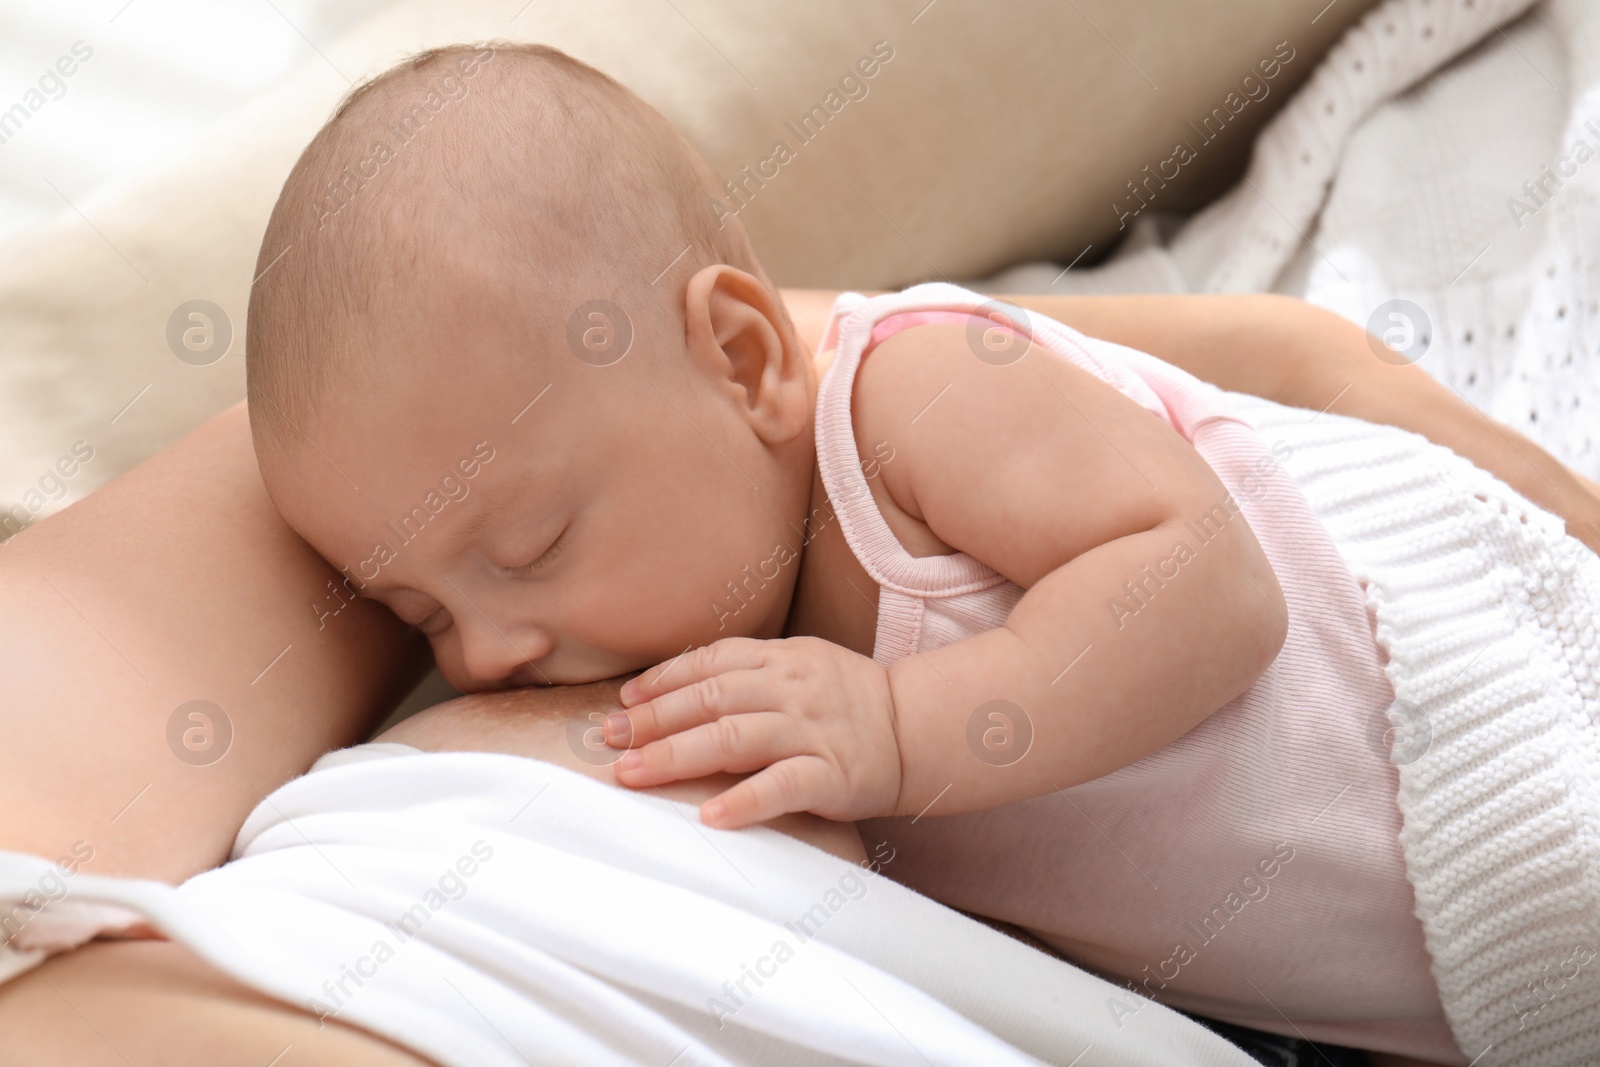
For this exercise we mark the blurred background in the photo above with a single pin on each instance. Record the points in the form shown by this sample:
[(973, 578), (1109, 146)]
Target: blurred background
[(159, 72), (1403, 153)]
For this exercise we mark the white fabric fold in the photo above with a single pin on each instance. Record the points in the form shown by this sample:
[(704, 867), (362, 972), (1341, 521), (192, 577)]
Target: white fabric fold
[(492, 910)]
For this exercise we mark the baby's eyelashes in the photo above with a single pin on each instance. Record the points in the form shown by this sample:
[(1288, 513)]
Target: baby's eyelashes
[(527, 570)]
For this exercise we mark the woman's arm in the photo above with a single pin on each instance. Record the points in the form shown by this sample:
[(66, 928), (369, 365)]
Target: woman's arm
[(1298, 354)]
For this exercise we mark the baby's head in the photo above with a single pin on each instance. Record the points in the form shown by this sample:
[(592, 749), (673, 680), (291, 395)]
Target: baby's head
[(515, 373)]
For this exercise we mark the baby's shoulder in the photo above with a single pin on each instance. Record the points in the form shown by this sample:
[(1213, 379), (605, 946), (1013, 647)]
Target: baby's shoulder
[(957, 402), (985, 372), (922, 394), (907, 370)]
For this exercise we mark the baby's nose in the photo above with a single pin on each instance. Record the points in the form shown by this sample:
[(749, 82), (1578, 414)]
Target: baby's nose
[(496, 657)]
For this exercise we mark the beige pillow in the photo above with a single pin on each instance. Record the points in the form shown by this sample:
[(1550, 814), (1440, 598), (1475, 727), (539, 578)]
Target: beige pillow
[(918, 140)]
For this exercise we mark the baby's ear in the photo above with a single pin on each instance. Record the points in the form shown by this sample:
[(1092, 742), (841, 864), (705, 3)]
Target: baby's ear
[(738, 334)]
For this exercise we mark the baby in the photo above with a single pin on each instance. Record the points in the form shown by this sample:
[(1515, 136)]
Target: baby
[(1050, 613), (653, 485)]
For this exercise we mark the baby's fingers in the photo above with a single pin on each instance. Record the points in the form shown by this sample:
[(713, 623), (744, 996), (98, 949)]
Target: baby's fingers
[(682, 709), (801, 783), (707, 661), (737, 743)]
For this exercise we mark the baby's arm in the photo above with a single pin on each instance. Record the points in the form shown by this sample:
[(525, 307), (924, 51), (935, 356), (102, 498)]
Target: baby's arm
[(1068, 488), (1296, 353), (1071, 490)]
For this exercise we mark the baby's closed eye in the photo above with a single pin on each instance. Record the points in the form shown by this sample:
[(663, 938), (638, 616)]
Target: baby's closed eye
[(527, 570)]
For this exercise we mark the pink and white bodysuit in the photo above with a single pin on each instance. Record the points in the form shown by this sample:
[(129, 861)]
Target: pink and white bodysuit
[(1252, 870)]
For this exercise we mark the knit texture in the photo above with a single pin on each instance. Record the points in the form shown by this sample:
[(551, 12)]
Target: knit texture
[(1486, 610), (1246, 239), (1445, 153)]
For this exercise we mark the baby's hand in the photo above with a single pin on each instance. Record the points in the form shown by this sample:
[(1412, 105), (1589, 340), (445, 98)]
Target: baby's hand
[(819, 718)]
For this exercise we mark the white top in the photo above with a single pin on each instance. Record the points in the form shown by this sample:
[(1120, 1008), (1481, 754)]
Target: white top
[(488, 910)]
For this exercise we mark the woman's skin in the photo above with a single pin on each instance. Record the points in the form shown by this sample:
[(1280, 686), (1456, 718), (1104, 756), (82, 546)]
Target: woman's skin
[(509, 721), (179, 582)]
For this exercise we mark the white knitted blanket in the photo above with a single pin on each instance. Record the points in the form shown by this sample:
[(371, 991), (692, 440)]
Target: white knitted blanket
[(1447, 153), (1486, 609)]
